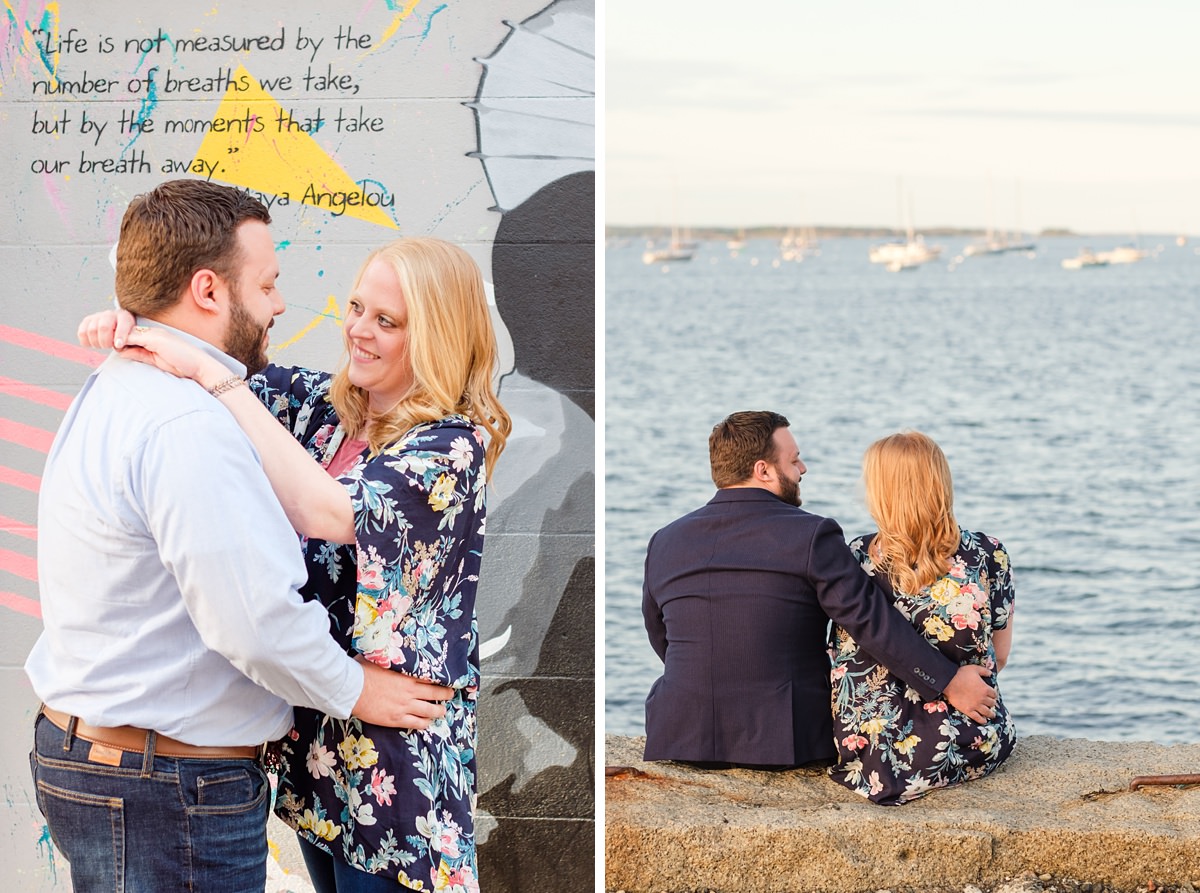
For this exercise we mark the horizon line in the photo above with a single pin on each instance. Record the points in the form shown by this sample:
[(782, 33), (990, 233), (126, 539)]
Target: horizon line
[(879, 228)]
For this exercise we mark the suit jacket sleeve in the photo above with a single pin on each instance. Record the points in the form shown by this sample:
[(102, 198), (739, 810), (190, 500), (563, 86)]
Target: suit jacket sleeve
[(652, 612), (849, 597)]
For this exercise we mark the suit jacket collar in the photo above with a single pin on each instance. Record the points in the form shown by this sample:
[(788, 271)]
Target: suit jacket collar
[(745, 494)]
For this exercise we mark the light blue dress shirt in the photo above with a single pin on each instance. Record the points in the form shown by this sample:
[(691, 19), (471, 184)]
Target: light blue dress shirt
[(169, 574)]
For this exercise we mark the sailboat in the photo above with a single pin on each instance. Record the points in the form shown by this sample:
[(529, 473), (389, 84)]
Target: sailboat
[(1124, 254), (897, 256), (1085, 260), (998, 242), (676, 250), (1130, 253), (797, 247), (907, 255)]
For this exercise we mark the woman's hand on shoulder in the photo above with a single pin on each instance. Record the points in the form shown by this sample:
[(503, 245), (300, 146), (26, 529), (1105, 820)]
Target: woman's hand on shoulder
[(117, 329), (171, 353), (106, 329)]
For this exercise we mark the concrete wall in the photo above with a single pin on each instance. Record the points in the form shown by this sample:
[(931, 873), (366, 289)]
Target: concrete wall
[(471, 120)]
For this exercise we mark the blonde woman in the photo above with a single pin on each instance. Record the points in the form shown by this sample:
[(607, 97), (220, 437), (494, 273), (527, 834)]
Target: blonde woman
[(403, 437), (956, 587)]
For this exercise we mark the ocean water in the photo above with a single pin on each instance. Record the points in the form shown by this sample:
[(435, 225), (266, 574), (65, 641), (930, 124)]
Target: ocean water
[(1067, 402)]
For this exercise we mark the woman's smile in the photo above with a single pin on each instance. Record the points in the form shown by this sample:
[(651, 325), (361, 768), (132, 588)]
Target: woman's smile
[(377, 315)]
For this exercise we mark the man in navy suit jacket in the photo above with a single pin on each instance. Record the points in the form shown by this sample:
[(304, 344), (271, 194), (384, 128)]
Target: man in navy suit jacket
[(737, 597)]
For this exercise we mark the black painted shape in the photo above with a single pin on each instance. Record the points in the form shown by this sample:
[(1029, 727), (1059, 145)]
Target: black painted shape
[(544, 271)]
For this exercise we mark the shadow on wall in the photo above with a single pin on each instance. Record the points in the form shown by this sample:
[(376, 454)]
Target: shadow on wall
[(537, 591)]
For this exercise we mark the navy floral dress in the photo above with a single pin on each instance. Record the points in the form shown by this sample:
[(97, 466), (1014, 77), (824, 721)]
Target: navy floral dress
[(893, 746), (392, 802)]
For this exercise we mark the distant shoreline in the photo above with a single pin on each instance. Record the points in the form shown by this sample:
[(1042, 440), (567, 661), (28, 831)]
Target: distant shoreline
[(711, 233)]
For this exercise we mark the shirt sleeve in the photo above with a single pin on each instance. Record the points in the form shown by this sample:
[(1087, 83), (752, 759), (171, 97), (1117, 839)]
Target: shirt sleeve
[(1002, 594), (855, 603), (223, 536), (419, 528)]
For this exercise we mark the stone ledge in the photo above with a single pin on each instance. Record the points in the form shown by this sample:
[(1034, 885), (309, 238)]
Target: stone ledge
[(1056, 807)]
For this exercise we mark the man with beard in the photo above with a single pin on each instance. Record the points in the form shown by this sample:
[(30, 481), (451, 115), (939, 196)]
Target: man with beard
[(176, 640), (737, 598)]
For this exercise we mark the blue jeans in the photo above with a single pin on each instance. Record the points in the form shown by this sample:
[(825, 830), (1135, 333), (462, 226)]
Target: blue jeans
[(330, 874), (175, 824)]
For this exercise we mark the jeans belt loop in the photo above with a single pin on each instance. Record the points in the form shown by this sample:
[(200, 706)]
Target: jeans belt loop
[(69, 738), (148, 753)]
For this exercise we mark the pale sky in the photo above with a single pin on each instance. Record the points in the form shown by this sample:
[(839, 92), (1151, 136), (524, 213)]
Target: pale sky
[(1084, 115)]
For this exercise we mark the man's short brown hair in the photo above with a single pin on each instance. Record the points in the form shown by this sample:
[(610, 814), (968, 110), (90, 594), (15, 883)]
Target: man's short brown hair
[(169, 233), (739, 441)]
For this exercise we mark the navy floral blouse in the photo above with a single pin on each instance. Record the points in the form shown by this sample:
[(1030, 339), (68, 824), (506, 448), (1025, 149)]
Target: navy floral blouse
[(388, 801), (892, 746)]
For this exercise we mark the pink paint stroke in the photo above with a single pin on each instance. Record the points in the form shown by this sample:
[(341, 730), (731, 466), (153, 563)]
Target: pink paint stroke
[(26, 435), (16, 563), (21, 603), (60, 206), (25, 481), (50, 346), (34, 394), (20, 528)]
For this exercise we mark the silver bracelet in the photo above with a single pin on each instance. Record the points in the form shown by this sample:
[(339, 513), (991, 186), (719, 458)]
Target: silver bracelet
[(226, 384)]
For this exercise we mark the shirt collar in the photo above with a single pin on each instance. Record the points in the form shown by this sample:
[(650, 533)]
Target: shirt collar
[(225, 359)]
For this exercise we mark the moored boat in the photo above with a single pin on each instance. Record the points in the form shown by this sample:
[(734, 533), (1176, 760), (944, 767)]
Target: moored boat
[(1085, 259), (897, 256), (1124, 254)]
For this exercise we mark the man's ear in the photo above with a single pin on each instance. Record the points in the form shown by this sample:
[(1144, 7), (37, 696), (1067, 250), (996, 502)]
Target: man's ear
[(204, 289), (764, 471)]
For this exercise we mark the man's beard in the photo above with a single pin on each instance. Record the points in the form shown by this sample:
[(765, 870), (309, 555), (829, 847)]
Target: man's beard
[(244, 338), (789, 490)]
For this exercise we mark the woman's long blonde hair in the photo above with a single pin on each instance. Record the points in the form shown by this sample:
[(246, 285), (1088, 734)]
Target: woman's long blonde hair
[(451, 346), (911, 497)]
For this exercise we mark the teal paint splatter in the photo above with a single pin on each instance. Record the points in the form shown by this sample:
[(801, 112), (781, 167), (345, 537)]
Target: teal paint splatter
[(284, 245), (366, 180), (429, 21), (45, 24), (144, 111), (149, 103), (47, 843), (145, 53), (451, 205), (394, 6), (386, 193)]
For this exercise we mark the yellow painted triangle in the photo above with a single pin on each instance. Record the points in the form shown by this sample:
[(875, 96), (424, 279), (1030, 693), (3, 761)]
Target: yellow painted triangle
[(332, 311), (256, 145)]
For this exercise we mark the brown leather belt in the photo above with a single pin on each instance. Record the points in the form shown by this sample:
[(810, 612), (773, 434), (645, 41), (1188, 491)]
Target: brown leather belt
[(133, 740)]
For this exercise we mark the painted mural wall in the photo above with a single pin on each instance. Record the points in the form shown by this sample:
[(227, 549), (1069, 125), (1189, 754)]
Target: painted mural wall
[(470, 120)]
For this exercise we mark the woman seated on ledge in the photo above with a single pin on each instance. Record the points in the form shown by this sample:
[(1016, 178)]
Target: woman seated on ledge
[(956, 587)]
